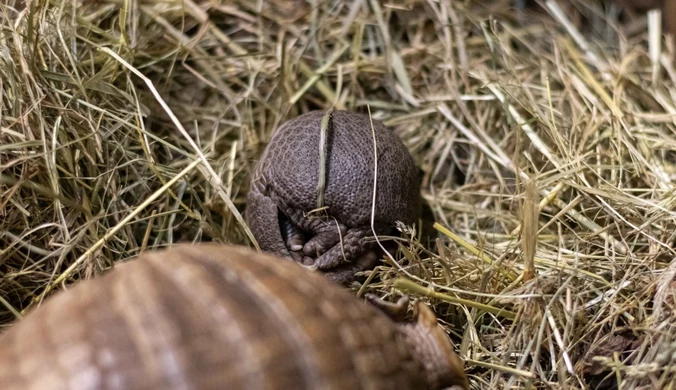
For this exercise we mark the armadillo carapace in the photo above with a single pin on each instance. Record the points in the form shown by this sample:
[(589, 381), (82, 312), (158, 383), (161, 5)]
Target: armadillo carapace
[(212, 316)]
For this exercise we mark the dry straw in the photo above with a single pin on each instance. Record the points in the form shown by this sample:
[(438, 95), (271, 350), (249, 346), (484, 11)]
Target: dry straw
[(547, 139)]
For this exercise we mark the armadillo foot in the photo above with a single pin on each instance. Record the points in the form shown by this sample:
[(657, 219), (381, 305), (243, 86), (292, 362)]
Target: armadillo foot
[(327, 233), (350, 248)]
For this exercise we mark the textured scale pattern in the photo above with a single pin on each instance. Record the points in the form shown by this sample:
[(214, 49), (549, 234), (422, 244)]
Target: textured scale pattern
[(205, 317), (285, 182)]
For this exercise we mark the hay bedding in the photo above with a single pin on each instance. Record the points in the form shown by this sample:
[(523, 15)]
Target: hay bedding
[(546, 137)]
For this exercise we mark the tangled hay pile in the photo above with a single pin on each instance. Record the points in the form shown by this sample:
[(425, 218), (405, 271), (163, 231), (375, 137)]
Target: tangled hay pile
[(547, 146)]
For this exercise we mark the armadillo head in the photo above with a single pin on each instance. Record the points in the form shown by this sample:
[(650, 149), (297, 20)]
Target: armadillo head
[(432, 348)]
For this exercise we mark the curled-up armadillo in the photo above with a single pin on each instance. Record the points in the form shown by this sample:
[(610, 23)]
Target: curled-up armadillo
[(214, 316), (283, 195)]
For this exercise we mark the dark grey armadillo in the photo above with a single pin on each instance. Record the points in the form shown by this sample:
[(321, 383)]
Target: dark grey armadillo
[(284, 187), (212, 316)]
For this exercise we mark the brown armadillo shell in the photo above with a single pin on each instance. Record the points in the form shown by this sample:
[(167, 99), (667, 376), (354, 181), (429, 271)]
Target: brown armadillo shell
[(206, 317)]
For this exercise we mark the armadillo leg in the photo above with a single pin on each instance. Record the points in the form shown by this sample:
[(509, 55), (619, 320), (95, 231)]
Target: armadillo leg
[(350, 248), (327, 233), (344, 276), (262, 216), (347, 273)]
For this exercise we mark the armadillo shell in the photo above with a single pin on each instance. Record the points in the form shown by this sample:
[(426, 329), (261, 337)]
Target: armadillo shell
[(206, 317)]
